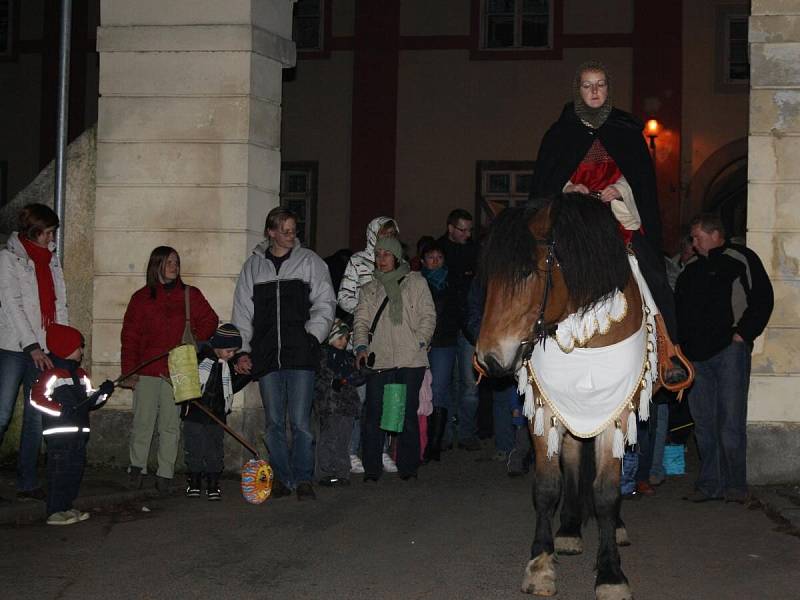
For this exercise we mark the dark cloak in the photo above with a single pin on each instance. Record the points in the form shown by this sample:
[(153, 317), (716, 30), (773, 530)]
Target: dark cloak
[(568, 140)]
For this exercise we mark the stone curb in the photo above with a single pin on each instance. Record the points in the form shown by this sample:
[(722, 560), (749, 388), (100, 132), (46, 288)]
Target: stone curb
[(780, 506)]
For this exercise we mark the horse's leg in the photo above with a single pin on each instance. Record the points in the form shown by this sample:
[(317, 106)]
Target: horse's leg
[(568, 537), (611, 583), (540, 573)]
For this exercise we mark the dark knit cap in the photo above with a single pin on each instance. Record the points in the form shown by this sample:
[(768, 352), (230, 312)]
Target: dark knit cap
[(226, 336), (63, 340)]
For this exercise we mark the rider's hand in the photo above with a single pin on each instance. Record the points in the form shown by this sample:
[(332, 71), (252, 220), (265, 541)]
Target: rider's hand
[(573, 188)]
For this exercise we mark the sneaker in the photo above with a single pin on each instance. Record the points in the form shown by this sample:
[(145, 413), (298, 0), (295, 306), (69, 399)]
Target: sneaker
[(388, 464), (214, 493), (356, 466), (66, 517), (82, 516), (645, 489), (279, 490), (193, 483), (34, 494), (305, 491), (163, 485)]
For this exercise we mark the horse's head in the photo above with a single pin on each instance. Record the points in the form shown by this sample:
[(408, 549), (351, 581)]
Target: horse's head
[(525, 291), (539, 264)]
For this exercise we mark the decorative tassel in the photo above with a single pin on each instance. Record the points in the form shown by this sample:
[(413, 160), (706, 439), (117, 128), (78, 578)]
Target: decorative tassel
[(538, 422), (644, 399), (632, 436), (553, 439), (522, 379), (618, 446), (528, 408)]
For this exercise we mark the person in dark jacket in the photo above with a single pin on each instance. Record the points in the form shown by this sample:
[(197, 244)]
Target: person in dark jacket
[(596, 149), (283, 306), (202, 436), (154, 323), (64, 396), (724, 299), (461, 254), (337, 404), (444, 344)]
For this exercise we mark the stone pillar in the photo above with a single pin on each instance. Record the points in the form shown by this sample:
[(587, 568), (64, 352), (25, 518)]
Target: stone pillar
[(774, 233), (188, 156)]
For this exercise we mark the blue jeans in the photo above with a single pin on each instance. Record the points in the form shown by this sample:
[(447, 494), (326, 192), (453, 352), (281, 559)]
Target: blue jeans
[(16, 368), (289, 391), (468, 390), (504, 399), (718, 401), (661, 414), (442, 361)]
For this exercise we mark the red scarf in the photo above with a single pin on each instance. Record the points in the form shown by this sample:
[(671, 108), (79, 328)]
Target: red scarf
[(41, 258)]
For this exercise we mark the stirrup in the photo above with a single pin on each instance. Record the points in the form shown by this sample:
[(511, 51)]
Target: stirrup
[(669, 355)]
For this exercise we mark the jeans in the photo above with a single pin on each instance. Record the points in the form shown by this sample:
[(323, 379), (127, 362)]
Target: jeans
[(468, 390), (16, 368), (289, 392), (661, 414), (718, 401), (442, 361), (503, 401), (66, 459), (408, 440), (355, 436)]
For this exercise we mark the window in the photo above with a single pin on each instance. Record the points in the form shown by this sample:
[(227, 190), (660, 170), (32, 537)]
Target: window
[(501, 184), (8, 33), (732, 49), (308, 26), (737, 61), (517, 24), (299, 194)]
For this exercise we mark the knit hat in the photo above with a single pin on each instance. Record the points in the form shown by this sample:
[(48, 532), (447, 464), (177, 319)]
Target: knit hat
[(339, 329), (226, 336), (392, 245), (63, 340)]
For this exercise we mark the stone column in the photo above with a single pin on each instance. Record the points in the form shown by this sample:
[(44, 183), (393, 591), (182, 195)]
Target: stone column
[(774, 233), (188, 156)]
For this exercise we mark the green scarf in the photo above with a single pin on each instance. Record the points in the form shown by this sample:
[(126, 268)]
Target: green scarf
[(391, 285)]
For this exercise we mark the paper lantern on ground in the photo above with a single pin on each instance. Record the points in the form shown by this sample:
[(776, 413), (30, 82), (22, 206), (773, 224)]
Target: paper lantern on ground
[(394, 407), (256, 481)]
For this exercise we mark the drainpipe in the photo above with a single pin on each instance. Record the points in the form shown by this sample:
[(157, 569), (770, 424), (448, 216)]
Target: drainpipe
[(63, 120)]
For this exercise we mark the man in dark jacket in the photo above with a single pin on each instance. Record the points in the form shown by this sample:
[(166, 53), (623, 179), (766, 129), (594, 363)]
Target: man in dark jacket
[(724, 300), (461, 255), (283, 306)]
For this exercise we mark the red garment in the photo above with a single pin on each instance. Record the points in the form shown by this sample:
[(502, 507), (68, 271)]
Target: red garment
[(155, 325), (41, 258), (63, 340)]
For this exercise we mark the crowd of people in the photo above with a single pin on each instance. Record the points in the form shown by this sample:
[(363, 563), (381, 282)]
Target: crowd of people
[(327, 339)]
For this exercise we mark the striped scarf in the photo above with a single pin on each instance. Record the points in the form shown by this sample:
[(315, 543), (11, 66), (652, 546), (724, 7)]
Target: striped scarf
[(205, 368)]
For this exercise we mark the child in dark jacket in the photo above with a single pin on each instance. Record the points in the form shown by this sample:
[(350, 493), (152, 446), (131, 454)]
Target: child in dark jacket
[(65, 396), (337, 404), (202, 436)]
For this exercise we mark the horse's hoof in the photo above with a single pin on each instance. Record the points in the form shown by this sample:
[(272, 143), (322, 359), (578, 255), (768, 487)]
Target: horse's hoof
[(568, 545), (622, 537), (540, 576), (619, 591)]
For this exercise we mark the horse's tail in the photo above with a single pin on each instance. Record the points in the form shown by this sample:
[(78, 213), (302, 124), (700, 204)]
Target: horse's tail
[(586, 476)]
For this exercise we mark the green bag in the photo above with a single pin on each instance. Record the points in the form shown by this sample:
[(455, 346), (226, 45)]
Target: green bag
[(394, 407), (183, 373)]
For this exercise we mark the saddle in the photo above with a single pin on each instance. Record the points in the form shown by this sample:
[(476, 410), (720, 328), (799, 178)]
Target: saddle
[(670, 355)]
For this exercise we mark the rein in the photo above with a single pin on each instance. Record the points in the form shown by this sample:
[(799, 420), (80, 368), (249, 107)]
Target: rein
[(540, 329)]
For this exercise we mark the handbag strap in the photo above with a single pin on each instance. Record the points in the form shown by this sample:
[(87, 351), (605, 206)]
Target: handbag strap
[(186, 312), (379, 313)]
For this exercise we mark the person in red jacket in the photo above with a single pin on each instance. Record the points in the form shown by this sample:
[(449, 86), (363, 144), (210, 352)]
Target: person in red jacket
[(154, 323)]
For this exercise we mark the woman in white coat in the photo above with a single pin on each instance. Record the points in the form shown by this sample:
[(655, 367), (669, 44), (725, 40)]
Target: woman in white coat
[(32, 296)]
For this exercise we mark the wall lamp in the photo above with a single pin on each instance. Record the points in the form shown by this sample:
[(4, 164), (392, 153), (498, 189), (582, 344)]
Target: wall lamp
[(651, 129)]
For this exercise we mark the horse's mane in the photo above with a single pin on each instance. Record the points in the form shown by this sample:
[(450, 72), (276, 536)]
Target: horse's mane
[(588, 246)]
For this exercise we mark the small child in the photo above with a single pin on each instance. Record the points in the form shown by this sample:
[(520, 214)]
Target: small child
[(202, 436), (65, 396), (337, 404)]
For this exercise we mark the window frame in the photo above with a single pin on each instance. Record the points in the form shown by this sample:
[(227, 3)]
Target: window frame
[(479, 51), (311, 169), (483, 168), (325, 34), (12, 53), (724, 16)]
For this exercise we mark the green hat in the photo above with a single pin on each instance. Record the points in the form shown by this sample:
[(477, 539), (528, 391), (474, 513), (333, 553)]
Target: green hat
[(392, 245)]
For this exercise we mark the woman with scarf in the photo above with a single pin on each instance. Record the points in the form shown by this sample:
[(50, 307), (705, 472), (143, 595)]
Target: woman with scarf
[(599, 150), (154, 322), (444, 346), (394, 321), (32, 296)]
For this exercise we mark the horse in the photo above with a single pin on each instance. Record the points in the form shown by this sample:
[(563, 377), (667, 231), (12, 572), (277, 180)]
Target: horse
[(553, 263)]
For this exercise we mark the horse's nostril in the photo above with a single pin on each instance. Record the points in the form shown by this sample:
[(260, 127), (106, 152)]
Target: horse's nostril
[(493, 366)]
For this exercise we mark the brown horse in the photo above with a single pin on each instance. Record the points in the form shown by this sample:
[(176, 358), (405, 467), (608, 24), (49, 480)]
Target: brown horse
[(541, 264)]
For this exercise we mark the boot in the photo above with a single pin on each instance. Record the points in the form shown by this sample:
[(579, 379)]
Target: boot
[(212, 487), (519, 459), (436, 426), (135, 478), (193, 483)]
